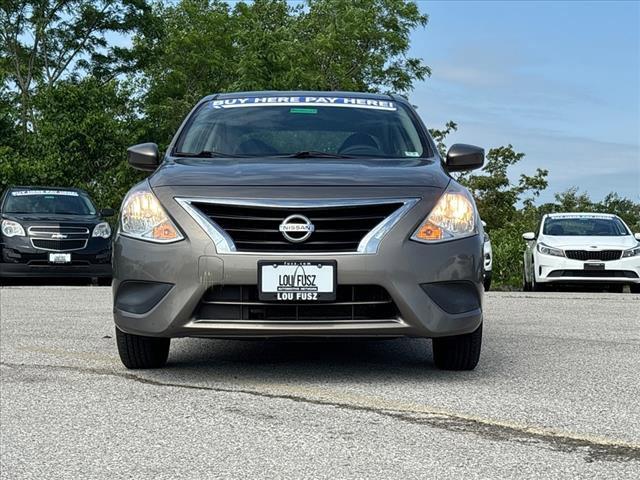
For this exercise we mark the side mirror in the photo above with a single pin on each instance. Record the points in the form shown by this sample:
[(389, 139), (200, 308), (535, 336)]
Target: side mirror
[(484, 224), (464, 157), (144, 156), (107, 212), (529, 236), (637, 235)]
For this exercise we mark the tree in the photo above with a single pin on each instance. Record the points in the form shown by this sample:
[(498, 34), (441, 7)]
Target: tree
[(497, 197), (42, 41), (199, 47), (572, 200), (84, 129), (439, 136), (625, 208), (360, 45)]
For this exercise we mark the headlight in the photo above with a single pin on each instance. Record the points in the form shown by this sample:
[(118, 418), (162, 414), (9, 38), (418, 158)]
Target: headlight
[(453, 217), (547, 250), (632, 252), (143, 217), (102, 230), (12, 229)]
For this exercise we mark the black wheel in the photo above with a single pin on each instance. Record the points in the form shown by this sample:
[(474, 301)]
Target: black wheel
[(535, 286), (635, 287), (104, 281), (460, 352), (137, 351), (526, 286), (487, 281), (616, 288)]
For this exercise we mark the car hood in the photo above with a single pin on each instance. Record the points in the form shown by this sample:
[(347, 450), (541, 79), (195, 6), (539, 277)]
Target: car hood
[(300, 172), (589, 242)]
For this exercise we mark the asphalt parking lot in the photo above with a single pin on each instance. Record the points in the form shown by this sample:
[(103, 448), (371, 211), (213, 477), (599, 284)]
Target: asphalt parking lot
[(556, 395)]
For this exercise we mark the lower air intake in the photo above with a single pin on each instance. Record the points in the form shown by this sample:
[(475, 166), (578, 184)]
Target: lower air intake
[(354, 303)]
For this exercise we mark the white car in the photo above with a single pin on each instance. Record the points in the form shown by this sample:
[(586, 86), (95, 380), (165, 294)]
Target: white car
[(582, 248), (488, 262)]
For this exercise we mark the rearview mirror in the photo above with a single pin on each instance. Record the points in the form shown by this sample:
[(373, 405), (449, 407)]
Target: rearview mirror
[(464, 157), (107, 212), (144, 156), (529, 236), (637, 235)]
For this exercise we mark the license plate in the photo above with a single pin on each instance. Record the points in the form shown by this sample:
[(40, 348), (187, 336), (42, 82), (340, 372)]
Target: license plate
[(59, 257), (297, 281), (594, 266)]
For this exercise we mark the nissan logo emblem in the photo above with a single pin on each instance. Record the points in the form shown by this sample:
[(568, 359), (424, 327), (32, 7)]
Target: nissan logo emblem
[(296, 228)]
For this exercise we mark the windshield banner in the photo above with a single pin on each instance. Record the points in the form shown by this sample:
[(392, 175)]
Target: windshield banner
[(22, 193), (348, 102), (578, 216)]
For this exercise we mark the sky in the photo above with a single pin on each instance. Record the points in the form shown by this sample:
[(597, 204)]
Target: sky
[(560, 81)]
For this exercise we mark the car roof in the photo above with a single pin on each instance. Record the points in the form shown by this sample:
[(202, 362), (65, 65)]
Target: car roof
[(303, 93)]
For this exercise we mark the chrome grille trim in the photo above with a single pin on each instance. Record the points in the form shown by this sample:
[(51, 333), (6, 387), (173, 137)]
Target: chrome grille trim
[(48, 233), (38, 230), (253, 304), (286, 328), (225, 245)]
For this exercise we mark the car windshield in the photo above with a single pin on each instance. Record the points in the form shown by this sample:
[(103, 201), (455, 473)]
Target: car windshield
[(585, 226), (61, 202), (302, 126)]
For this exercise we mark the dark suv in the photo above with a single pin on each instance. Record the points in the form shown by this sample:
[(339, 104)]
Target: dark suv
[(53, 232)]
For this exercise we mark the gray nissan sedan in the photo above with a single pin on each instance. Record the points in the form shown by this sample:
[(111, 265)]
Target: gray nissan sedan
[(300, 215)]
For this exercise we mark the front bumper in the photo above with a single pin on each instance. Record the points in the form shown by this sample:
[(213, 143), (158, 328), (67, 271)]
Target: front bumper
[(552, 269), (23, 270), (181, 273), (19, 259)]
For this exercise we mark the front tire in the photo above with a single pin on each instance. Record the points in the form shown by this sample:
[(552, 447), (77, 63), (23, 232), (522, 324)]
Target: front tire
[(140, 352), (535, 286), (486, 282), (635, 287), (458, 352), (526, 286)]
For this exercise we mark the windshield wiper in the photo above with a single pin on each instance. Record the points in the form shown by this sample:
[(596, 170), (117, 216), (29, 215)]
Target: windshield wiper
[(206, 154), (301, 154), (313, 154)]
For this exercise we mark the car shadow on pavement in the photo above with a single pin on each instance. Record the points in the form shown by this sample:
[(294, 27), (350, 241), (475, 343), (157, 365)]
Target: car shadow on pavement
[(327, 361)]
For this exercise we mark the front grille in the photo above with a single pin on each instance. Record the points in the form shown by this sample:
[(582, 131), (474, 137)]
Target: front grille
[(56, 238), (603, 255), (337, 228), (58, 245), (594, 273), (354, 303)]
